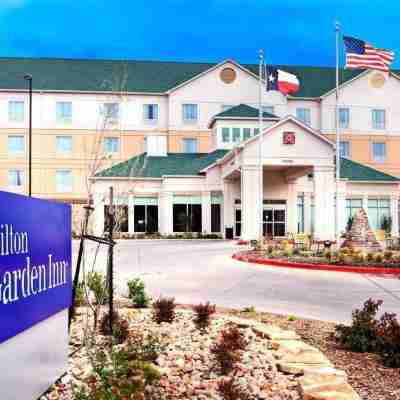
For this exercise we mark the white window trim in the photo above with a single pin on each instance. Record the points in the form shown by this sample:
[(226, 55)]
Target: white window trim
[(64, 122), (148, 121), (190, 121), (61, 152), (112, 120), (349, 120), (385, 121), (17, 153), (68, 190), (8, 111), (112, 152), (373, 155)]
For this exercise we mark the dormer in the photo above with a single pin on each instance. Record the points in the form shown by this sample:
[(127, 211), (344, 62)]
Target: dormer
[(237, 124)]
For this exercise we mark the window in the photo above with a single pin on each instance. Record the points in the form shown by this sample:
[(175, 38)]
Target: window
[(146, 214), (190, 112), (300, 214), (246, 133), (304, 115), (226, 135), (63, 112), (16, 144), (189, 145), (378, 212), (378, 119), (344, 149), (64, 181), (352, 207), (16, 111), (111, 145), (64, 144), (268, 109), (344, 117), (150, 112), (236, 134), (256, 131), (226, 107), (110, 111), (187, 215), (379, 152), (15, 178), (121, 217)]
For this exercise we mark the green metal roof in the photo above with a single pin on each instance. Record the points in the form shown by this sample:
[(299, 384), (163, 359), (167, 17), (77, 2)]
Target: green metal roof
[(243, 111), (139, 76), (143, 166), (354, 171)]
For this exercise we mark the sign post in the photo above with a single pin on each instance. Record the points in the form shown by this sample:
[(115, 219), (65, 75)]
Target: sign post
[(35, 293)]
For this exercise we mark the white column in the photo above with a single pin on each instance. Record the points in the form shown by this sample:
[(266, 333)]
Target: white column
[(206, 212), (292, 218), (324, 192), (251, 201), (307, 213), (131, 213), (98, 214), (165, 216), (228, 206), (341, 203), (394, 209)]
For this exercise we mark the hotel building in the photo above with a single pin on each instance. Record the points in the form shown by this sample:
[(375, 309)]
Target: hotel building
[(179, 143)]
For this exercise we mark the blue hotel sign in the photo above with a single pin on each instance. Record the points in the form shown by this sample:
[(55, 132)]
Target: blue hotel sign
[(35, 262)]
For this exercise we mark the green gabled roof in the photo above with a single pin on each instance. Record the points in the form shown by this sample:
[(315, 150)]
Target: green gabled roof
[(143, 166), (140, 76), (354, 171), (242, 111)]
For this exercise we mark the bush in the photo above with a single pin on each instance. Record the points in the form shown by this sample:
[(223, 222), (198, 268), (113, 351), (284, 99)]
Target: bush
[(203, 315), (80, 295), (361, 335), (328, 255), (96, 282), (250, 309), (370, 257), (164, 310), (137, 293), (120, 327), (388, 255), (229, 390), (378, 258), (144, 347), (227, 351), (389, 340), (270, 249), (116, 376), (296, 251), (287, 252)]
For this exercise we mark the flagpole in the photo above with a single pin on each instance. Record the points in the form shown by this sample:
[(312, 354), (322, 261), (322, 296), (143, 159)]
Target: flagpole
[(337, 32), (260, 144)]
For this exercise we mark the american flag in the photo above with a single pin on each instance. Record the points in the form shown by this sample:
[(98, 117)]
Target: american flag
[(360, 54)]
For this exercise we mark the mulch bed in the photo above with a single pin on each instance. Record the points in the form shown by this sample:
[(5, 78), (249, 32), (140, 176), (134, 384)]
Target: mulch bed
[(366, 374)]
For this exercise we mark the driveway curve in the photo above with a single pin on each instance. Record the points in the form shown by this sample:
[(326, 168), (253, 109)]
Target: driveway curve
[(201, 270)]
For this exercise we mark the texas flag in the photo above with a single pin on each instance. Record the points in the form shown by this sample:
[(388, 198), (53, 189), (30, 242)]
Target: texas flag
[(282, 81)]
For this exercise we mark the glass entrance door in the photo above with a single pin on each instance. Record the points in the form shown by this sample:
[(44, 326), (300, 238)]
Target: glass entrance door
[(274, 220)]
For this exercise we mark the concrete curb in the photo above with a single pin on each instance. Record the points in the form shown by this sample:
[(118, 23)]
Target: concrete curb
[(318, 267)]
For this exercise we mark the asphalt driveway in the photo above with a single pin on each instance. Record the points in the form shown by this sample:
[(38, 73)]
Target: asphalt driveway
[(199, 271)]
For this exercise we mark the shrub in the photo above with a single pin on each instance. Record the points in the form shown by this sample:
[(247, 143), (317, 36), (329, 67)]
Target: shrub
[(203, 315), (270, 249), (120, 327), (378, 258), (361, 336), (291, 318), (80, 295), (287, 252), (370, 257), (116, 376), (164, 310), (250, 309), (227, 350), (137, 293), (328, 255), (96, 282), (342, 258), (388, 333), (144, 347), (229, 390), (388, 255)]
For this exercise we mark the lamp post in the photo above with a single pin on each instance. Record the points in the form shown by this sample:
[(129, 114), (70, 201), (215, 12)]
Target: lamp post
[(28, 78)]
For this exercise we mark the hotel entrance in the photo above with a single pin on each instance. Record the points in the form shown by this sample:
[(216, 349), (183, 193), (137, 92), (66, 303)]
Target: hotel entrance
[(274, 218)]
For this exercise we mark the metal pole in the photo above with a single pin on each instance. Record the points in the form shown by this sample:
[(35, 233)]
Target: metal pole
[(260, 143), (111, 215), (28, 78), (337, 30)]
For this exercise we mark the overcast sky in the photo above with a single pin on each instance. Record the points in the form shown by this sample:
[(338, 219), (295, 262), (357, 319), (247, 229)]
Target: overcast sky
[(298, 32)]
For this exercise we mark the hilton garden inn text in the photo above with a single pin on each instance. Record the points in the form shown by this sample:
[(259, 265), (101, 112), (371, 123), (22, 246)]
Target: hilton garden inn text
[(25, 280)]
